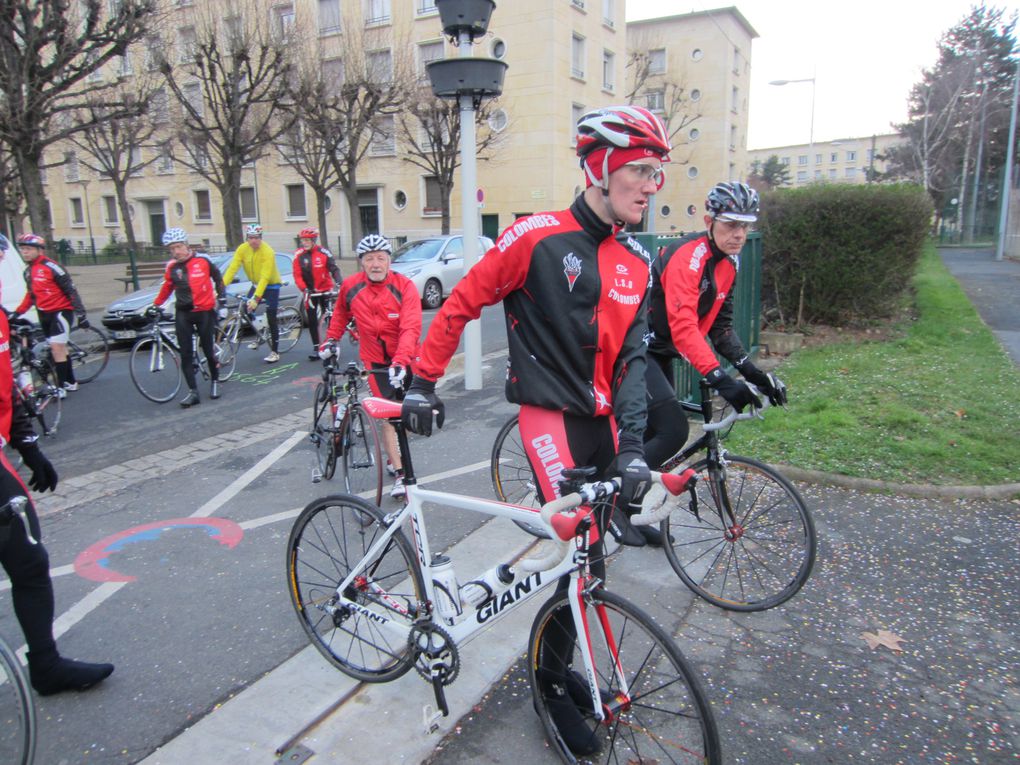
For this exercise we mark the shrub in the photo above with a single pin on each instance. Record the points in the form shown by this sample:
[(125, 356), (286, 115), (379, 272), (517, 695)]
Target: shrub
[(840, 254)]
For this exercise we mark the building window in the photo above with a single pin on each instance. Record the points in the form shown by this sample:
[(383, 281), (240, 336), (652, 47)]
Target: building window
[(735, 99), (736, 60), (426, 7), (296, 201), (832, 172), (193, 95), (833, 157), (607, 13), (329, 17), (77, 212), (786, 161), (283, 20), (433, 197), (691, 210), (71, 170), (249, 205), (733, 136), (802, 159), (655, 100), (851, 156), (869, 155), (657, 61), (697, 54), (111, 214), (578, 4), (153, 53), (576, 112), (692, 172), (665, 211), (380, 66), (165, 163), (159, 107), (577, 56), (694, 134), (850, 172), (333, 72), (187, 45), (399, 199), (124, 68), (377, 12), (696, 95), (608, 74), (818, 175), (203, 205), (801, 176), (818, 159), (384, 141), (428, 52), (498, 121), (179, 209), (497, 49)]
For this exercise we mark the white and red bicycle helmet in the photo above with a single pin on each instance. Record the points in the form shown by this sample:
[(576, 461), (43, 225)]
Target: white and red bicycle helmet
[(622, 129)]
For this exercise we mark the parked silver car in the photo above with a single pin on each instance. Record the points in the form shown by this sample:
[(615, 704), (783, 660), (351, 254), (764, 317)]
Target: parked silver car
[(125, 316), (435, 265)]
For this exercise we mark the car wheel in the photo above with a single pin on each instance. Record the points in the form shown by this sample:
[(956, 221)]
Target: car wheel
[(432, 295)]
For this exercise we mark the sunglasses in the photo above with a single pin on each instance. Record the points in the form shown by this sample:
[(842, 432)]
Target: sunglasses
[(648, 172)]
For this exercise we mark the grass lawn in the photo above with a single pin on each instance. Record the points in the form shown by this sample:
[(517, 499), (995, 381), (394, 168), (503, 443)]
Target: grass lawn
[(939, 403)]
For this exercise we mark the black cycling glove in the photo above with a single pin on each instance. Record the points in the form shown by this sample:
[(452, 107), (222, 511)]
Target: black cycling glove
[(419, 403), (767, 382), (629, 464), (736, 392), (44, 475)]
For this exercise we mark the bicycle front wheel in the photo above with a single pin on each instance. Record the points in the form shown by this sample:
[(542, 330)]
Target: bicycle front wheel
[(751, 545), (45, 402), (332, 535), (323, 433), (358, 450), (289, 322), (226, 343), (653, 707), (89, 352), (17, 711), (513, 480), (155, 370)]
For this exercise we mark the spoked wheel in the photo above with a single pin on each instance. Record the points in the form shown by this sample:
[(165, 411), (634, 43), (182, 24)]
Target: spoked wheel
[(513, 480), (155, 370), (17, 712), (756, 559), (289, 322), (330, 537), (46, 399), (323, 433), (226, 343), (653, 707), (359, 453), (89, 352)]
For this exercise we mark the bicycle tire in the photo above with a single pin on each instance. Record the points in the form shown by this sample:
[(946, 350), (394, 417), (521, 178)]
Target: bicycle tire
[(331, 535), (89, 352), (45, 403), (758, 563), (513, 480), (155, 370), (17, 711), (666, 718), (227, 342), (323, 432), (359, 453), (288, 320)]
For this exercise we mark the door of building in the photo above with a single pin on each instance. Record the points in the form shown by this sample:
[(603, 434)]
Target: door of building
[(490, 225), (157, 220), (368, 208)]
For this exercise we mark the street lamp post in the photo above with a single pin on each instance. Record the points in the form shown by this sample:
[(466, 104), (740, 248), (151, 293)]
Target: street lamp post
[(811, 134), (88, 218)]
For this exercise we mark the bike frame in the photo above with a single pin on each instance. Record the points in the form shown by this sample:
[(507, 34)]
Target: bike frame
[(160, 335)]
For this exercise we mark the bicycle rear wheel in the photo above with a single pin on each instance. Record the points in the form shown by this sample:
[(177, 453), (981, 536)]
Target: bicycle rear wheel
[(155, 370), (226, 343), (89, 352), (360, 456), (17, 711), (45, 402), (323, 434), (513, 480), (332, 535), (757, 559), (654, 709), (289, 322)]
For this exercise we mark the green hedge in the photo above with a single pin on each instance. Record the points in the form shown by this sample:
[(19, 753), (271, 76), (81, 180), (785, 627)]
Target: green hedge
[(840, 254)]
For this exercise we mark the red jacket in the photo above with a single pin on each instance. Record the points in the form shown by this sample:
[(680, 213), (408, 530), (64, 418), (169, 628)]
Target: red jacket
[(15, 427), (315, 270), (49, 288), (196, 282), (388, 315)]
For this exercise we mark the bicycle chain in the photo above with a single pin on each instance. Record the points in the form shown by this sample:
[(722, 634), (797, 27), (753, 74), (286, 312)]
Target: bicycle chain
[(434, 648)]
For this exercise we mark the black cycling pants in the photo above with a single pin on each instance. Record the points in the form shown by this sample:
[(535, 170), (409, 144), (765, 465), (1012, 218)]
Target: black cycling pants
[(204, 322), (315, 309), (28, 567), (667, 430)]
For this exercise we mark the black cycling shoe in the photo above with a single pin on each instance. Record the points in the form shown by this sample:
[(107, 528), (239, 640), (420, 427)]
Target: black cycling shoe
[(313, 357), (67, 675), (651, 534), (564, 696), (191, 399), (625, 532), (214, 389)]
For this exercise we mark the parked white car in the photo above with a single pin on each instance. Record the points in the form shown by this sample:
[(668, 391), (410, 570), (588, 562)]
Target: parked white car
[(435, 265)]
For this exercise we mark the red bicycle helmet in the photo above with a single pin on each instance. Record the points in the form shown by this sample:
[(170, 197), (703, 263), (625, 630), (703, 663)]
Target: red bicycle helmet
[(308, 233), (621, 127), (32, 240)]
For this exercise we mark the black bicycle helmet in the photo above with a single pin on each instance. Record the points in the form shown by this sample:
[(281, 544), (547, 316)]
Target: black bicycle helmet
[(733, 201)]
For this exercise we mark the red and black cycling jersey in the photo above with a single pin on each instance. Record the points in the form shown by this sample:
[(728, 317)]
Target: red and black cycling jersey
[(574, 293), (691, 297), (315, 270), (49, 288), (196, 282), (15, 427), (388, 314)]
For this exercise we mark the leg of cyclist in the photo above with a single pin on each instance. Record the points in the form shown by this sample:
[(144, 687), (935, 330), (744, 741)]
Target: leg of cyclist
[(271, 297), (185, 333), (380, 386), (315, 307), (57, 327), (205, 321), (27, 566)]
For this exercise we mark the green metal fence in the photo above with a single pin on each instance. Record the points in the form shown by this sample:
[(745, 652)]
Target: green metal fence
[(746, 308)]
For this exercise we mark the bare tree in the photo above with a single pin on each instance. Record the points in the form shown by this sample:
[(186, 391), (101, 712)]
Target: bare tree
[(12, 200), (229, 76), (307, 147), (664, 95), (430, 132), (53, 53)]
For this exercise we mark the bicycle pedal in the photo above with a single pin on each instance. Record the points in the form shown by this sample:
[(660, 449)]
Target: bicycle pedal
[(431, 719)]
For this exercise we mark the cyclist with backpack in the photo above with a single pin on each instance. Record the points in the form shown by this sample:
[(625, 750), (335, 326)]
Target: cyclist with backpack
[(315, 270)]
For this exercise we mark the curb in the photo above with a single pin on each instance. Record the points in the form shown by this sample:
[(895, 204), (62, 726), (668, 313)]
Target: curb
[(1000, 491)]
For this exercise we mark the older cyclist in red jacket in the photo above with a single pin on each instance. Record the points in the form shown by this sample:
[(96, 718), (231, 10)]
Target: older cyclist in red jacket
[(386, 307), (315, 270)]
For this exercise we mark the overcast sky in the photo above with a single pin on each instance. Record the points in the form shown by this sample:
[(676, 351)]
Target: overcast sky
[(865, 55)]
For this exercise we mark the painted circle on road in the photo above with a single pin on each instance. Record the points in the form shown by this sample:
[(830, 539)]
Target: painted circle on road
[(93, 562)]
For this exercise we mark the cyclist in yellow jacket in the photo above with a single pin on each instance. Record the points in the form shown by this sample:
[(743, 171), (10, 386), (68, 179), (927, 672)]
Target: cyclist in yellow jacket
[(259, 262)]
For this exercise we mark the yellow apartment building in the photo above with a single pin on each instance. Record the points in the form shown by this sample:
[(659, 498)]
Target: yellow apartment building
[(564, 56), (845, 160)]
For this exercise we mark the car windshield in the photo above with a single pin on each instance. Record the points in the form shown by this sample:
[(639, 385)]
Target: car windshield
[(415, 251)]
